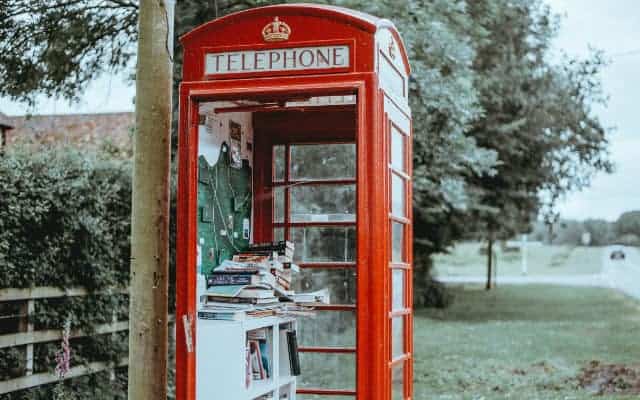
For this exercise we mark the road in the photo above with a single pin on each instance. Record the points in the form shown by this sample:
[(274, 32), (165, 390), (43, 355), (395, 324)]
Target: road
[(623, 275)]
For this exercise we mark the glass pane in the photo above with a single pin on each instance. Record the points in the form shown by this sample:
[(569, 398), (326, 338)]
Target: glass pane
[(327, 371), (278, 163), (322, 397), (397, 339), (323, 161), (341, 283), (398, 289), (278, 204), (398, 196), (397, 382), (328, 329), (323, 203), (397, 242), (278, 234), (324, 244), (397, 149)]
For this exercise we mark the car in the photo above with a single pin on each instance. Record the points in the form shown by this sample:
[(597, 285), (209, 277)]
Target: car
[(617, 255)]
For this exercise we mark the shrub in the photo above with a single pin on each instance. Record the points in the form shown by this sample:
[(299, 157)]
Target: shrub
[(65, 222)]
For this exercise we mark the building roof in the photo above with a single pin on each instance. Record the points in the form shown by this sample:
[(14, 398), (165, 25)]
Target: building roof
[(83, 130), (5, 123)]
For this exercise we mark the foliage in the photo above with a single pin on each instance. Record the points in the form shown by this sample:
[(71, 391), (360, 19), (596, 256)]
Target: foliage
[(537, 116), (628, 223), (570, 232), (64, 221), (469, 259), (601, 232), (98, 386), (12, 362), (496, 123), (57, 47)]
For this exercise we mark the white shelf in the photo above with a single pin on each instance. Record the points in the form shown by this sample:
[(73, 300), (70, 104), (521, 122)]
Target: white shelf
[(259, 388), (221, 360)]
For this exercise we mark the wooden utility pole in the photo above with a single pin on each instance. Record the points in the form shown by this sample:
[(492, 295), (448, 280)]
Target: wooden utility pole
[(150, 210)]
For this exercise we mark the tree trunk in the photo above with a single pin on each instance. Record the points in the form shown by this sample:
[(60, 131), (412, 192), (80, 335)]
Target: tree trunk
[(150, 209), (489, 262)]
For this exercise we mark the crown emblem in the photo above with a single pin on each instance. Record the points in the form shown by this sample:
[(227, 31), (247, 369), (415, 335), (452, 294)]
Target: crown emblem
[(276, 31)]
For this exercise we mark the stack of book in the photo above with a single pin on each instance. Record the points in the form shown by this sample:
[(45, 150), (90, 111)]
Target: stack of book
[(252, 283)]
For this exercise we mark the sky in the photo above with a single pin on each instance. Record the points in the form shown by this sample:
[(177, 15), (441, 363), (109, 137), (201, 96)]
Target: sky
[(612, 26), (609, 25)]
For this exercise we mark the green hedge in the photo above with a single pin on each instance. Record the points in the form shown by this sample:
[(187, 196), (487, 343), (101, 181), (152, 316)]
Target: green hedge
[(65, 222), (64, 219)]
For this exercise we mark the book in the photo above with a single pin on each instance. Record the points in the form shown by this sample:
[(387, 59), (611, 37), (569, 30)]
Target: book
[(266, 362), (257, 369), (284, 250), (277, 245), (285, 363), (294, 358), (215, 305), (257, 334), (225, 291), (248, 375), (232, 278), (251, 258), (226, 315), (262, 313), (241, 300), (256, 292), (319, 296)]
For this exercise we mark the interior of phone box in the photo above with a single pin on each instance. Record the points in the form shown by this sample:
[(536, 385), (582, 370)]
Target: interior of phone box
[(275, 169)]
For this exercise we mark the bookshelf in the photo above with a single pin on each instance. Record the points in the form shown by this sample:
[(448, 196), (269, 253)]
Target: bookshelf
[(221, 371)]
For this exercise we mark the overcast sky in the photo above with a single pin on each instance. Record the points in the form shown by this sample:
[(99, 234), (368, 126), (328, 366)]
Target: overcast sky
[(613, 26), (610, 25)]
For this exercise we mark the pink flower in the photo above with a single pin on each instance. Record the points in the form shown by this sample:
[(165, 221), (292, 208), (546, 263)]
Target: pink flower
[(63, 356)]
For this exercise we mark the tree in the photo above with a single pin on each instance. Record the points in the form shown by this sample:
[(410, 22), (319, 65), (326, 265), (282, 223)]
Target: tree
[(537, 117), (496, 125), (442, 93), (627, 227), (56, 47)]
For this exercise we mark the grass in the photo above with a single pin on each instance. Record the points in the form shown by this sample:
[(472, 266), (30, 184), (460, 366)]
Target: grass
[(525, 342), (465, 259)]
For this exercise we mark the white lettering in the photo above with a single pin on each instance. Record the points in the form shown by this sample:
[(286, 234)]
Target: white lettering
[(291, 59)]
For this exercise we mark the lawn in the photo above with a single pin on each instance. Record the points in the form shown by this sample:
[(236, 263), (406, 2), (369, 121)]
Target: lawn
[(465, 259), (524, 342)]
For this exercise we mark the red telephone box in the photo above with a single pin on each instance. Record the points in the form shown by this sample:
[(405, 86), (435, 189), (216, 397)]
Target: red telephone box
[(312, 104)]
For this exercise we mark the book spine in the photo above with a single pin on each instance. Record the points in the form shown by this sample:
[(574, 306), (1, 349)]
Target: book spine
[(282, 244), (294, 358), (266, 363), (229, 280)]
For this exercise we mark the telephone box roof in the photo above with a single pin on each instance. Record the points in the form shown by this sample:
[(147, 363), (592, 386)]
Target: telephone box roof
[(360, 20)]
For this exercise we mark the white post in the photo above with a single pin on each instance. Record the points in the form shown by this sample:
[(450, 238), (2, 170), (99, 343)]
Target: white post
[(523, 251), (31, 310)]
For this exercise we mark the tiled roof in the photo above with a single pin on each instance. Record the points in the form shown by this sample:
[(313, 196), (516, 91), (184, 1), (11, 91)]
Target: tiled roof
[(84, 130)]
